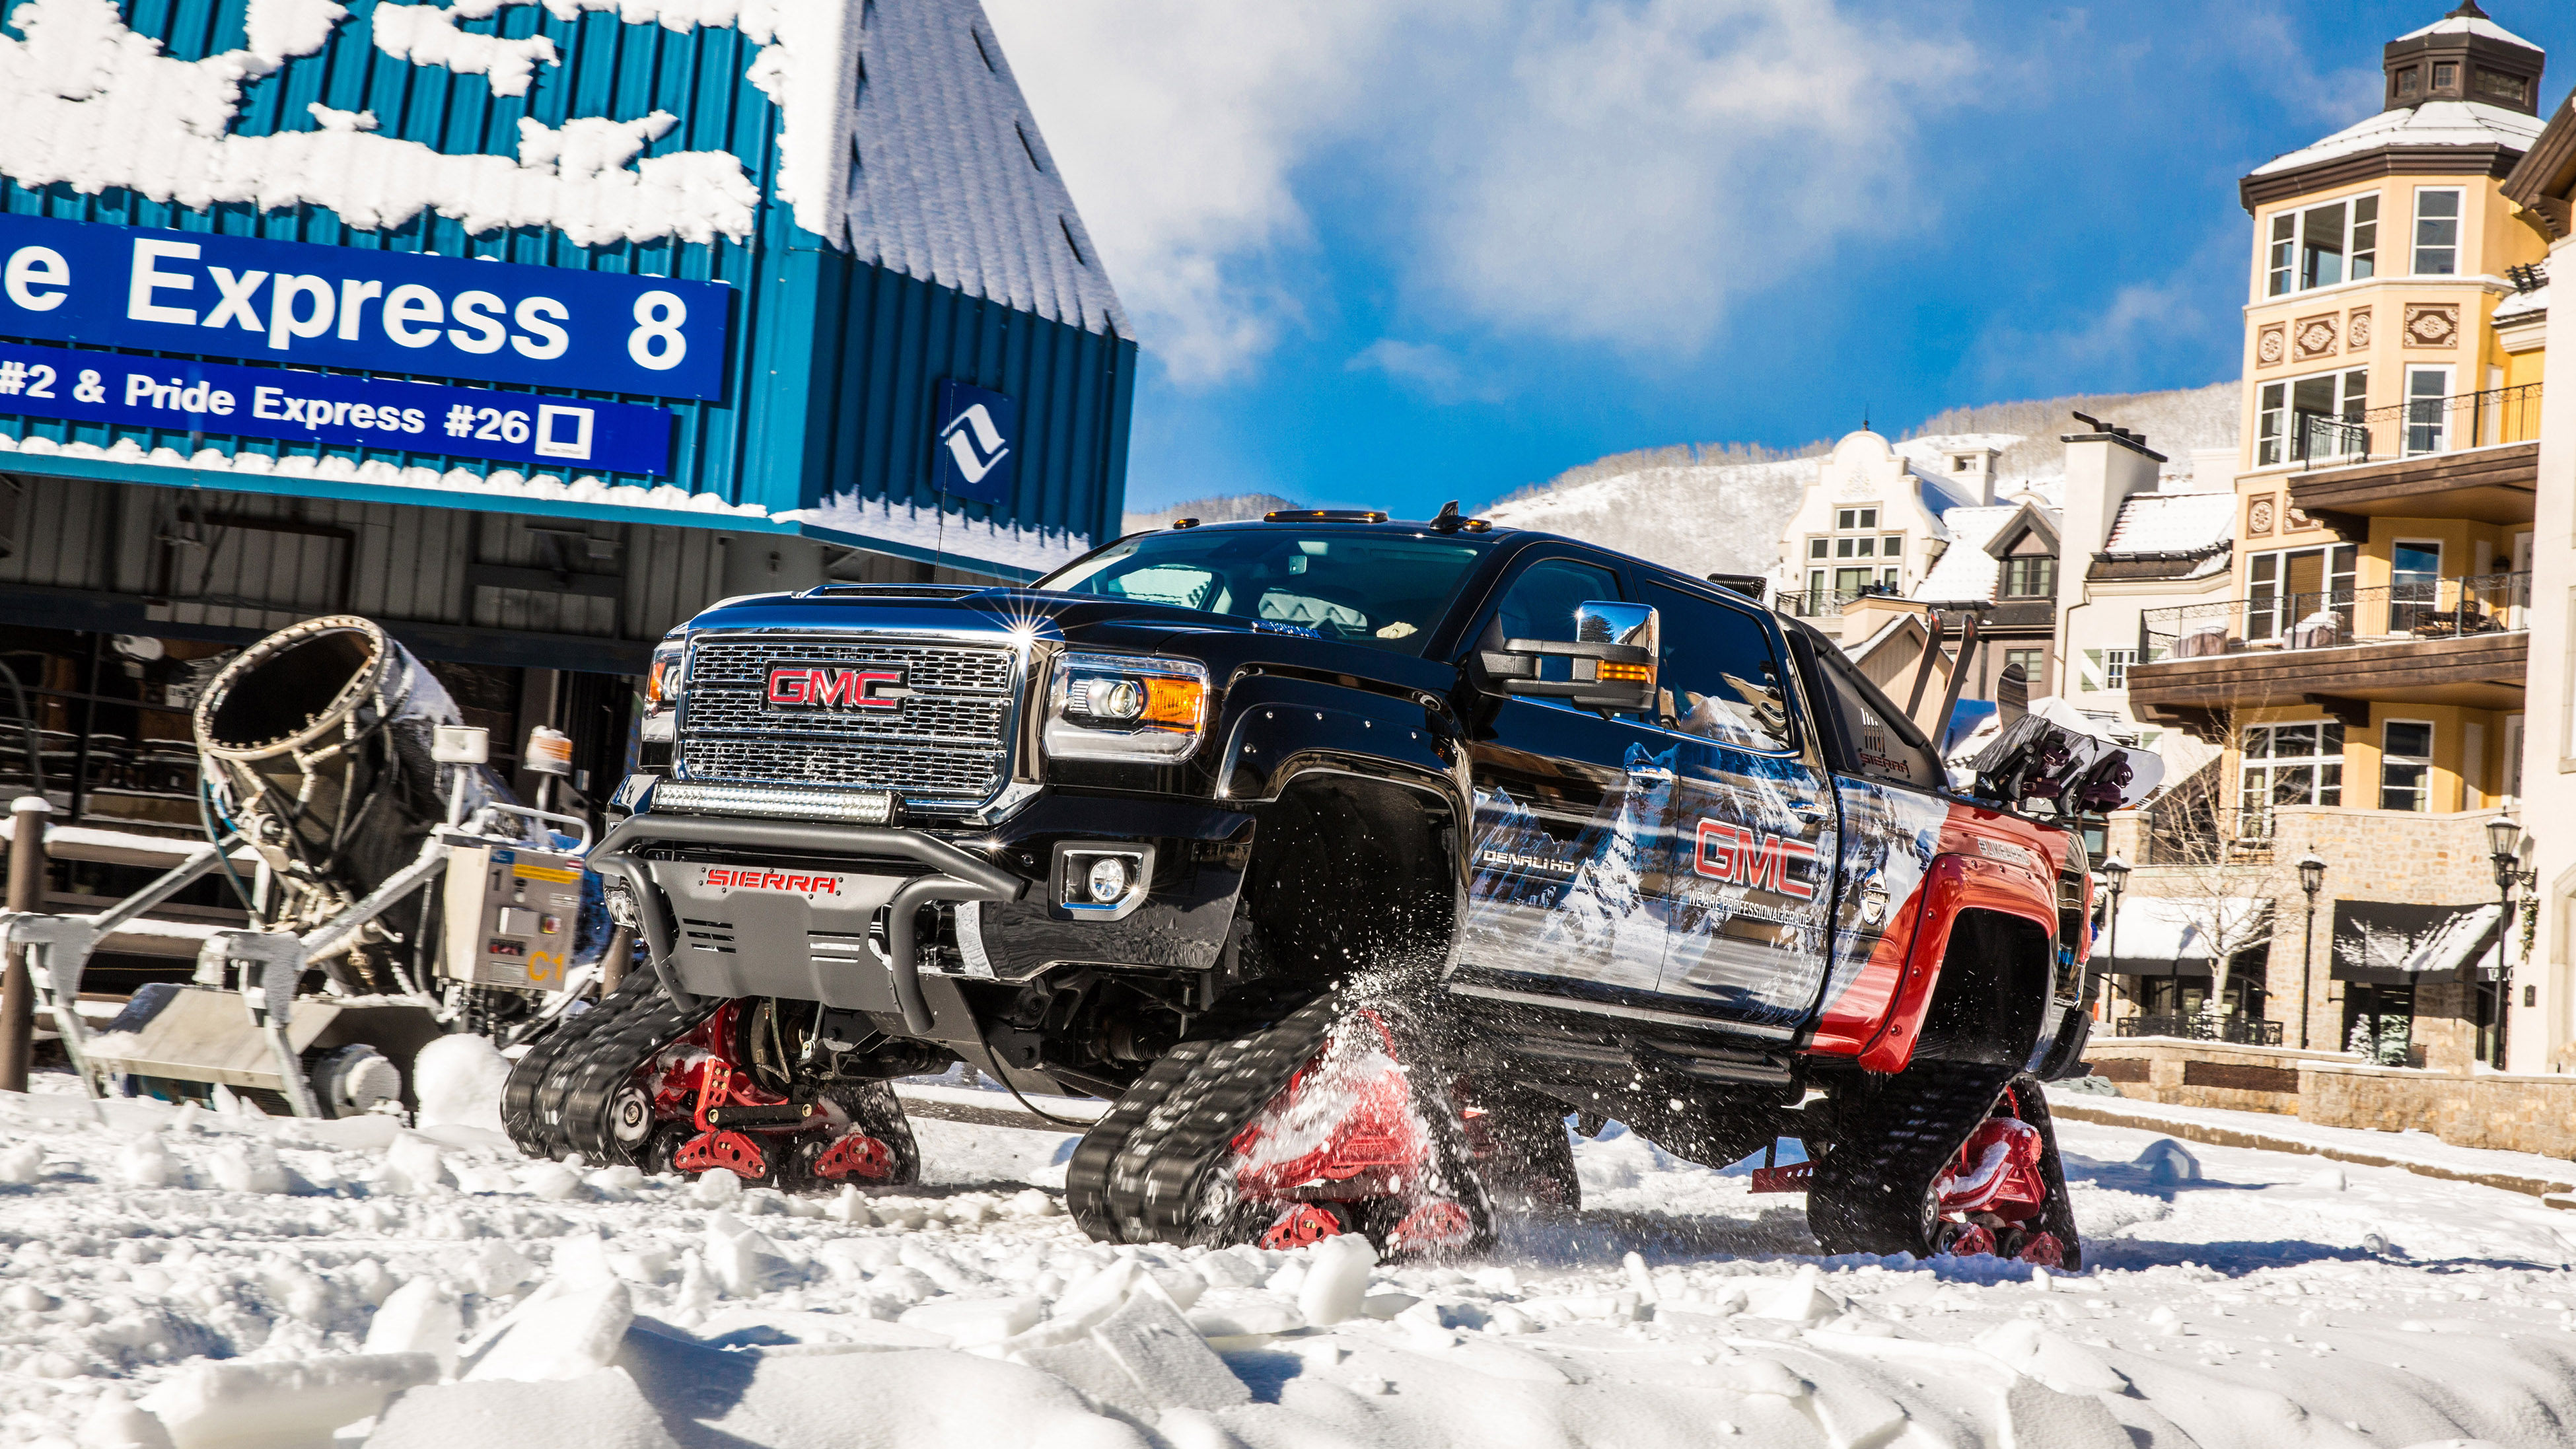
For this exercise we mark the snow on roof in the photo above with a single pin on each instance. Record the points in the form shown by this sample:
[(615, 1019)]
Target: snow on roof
[(2172, 523), (967, 540), (2434, 123), (1966, 571), (953, 184), (2164, 930), (2523, 304), (2383, 940), (2456, 24)]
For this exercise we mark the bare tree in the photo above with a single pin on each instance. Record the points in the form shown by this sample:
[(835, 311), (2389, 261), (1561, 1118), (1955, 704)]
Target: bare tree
[(2212, 837)]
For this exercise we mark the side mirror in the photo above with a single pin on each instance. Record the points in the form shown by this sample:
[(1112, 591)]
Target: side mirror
[(1611, 659)]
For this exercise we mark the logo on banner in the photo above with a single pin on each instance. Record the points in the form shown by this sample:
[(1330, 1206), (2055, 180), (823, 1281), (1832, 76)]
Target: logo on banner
[(978, 442), (810, 686)]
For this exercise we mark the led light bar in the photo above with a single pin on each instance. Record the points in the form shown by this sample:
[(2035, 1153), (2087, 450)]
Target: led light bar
[(842, 807)]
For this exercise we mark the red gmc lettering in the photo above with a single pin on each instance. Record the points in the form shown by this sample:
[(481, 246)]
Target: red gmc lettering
[(816, 687), (1745, 857)]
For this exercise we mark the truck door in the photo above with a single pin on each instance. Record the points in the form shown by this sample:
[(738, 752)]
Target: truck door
[(1572, 838), (1754, 818)]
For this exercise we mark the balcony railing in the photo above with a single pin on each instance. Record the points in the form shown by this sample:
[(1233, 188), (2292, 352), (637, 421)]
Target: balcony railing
[(2413, 429), (1824, 603), (2402, 613), (2198, 1026)]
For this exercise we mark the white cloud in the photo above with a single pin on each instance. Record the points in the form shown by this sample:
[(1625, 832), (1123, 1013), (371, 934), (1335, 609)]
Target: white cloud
[(1611, 172), (1427, 367), (1641, 164), (1177, 124)]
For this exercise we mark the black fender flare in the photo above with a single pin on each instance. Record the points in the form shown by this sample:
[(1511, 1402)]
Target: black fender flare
[(1280, 728)]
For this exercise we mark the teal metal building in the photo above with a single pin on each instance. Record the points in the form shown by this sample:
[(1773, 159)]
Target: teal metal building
[(525, 328)]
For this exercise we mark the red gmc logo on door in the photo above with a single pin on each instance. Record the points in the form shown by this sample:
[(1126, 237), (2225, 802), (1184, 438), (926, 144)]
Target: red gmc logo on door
[(823, 686)]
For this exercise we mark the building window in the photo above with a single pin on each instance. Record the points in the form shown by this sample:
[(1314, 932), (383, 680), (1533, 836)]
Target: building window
[(2446, 75), (2031, 666), (2405, 765), (2285, 587), (2414, 585), (2115, 667), (2300, 764), (2410, 81), (2495, 85), (2437, 231), (2428, 411), (2312, 417), (2323, 245), (1855, 537), (2030, 576)]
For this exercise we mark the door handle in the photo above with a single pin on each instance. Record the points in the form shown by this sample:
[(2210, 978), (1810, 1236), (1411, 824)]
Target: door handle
[(1812, 810)]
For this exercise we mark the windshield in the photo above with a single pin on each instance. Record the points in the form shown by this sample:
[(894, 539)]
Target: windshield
[(1382, 589)]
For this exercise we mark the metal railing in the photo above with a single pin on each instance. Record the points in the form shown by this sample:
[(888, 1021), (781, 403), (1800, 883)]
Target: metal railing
[(2387, 614), (2415, 428), (1824, 603), (2198, 1026)]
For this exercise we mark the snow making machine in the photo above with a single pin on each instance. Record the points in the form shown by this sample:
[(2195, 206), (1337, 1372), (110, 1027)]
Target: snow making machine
[(395, 889)]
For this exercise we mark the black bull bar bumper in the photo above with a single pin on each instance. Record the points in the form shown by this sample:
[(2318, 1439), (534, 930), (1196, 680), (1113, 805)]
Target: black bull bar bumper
[(953, 875)]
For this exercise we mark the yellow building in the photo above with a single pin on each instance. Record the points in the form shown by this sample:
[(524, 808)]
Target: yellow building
[(2373, 656)]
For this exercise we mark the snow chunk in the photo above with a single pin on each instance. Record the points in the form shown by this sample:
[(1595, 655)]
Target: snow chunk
[(566, 1334), (1336, 1281), (2051, 1358), (420, 1317), (603, 1408), (287, 1405), (415, 1165), (459, 1080), (247, 1167), (21, 1165), (2168, 1162), (146, 1162), (281, 29)]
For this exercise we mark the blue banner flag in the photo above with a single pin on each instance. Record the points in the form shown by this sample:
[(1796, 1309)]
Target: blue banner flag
[(555, 433), (360, 309)]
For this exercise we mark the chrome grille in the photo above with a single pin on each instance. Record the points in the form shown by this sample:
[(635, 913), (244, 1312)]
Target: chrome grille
[(949, 741)]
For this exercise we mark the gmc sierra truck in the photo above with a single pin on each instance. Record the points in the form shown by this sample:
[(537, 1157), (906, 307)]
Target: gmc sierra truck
[(1346, 858)]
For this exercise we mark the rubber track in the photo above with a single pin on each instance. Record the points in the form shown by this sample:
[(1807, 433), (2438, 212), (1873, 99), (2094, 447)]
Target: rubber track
[(1159, 1152), (1888, 1146), (558, 1096)]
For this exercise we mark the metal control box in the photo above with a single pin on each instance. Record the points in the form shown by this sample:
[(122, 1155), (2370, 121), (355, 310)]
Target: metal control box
[(512, 914)]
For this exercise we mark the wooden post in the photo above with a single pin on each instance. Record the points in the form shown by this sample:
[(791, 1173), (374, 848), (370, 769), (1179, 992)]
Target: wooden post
[(26, 892)]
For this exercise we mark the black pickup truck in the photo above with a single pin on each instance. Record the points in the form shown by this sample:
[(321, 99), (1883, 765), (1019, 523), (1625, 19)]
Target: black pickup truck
[(1346, 857)]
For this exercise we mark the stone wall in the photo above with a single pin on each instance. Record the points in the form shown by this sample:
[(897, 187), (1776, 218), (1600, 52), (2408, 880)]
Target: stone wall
[(2481, 1109)]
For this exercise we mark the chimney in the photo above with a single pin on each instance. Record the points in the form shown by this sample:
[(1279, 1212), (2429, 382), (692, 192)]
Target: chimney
[(2104, 466), (1970, 472)]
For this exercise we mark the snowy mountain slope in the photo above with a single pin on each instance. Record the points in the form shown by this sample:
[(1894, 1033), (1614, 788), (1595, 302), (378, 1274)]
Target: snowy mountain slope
[(1219, 508), (176, 1277), (1717, 512)]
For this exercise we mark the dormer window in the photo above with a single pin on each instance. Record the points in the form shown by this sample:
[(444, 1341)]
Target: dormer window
[(2495, 85), (2410, 81), (2030, 576), (2446, 76)]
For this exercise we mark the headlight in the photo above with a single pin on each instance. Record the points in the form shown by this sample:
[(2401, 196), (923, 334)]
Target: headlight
[(1120, 707), (662, 689)]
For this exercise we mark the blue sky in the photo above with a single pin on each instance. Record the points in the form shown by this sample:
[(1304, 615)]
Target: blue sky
[(1388, 252)]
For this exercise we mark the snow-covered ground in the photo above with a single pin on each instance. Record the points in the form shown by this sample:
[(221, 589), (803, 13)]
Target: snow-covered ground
[(181, 1277)]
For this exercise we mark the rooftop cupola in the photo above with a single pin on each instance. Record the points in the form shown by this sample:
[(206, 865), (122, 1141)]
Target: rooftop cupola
[(2464, 56)]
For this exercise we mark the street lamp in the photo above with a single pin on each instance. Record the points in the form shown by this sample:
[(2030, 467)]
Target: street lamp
[(2115, 879), (2312, 878), (2504, 848)]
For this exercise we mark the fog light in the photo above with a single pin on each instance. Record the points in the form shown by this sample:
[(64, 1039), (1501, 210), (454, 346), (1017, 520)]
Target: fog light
[(1109, 880)]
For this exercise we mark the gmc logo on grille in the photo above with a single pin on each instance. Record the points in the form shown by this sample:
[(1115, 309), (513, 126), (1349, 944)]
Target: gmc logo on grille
[(822, 686)]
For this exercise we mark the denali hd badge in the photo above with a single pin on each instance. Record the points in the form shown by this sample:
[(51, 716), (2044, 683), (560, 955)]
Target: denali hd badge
[(825, 686)]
